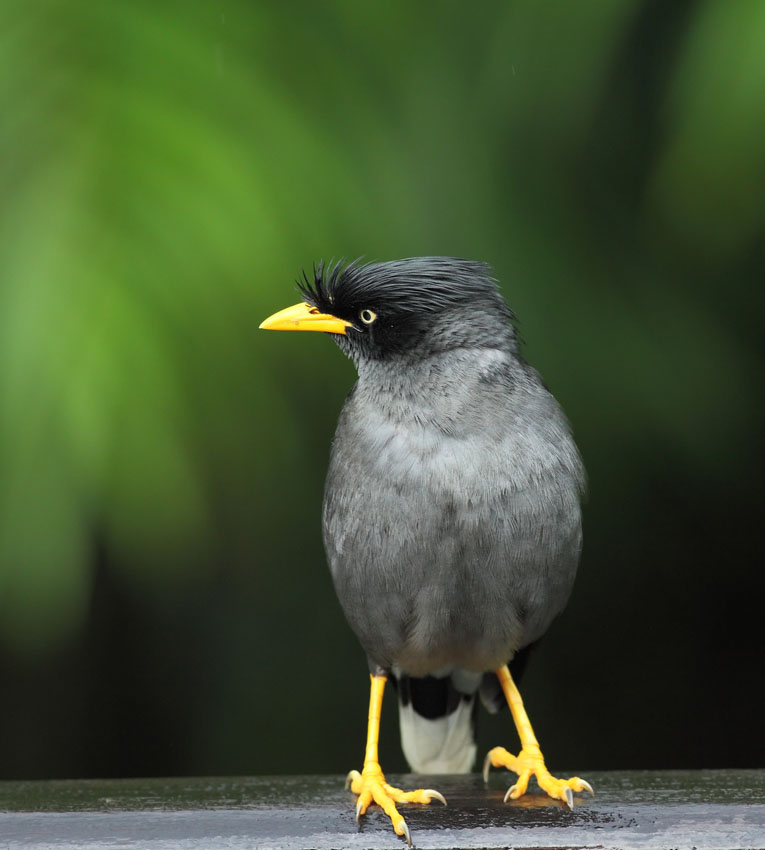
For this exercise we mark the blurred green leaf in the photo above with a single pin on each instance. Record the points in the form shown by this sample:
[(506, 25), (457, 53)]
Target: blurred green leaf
[(710, 181)]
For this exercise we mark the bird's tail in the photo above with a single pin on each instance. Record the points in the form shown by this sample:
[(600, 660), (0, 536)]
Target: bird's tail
[(437, 716), (437, 719)]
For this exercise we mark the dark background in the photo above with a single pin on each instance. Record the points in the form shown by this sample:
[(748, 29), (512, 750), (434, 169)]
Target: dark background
[(167, 168)]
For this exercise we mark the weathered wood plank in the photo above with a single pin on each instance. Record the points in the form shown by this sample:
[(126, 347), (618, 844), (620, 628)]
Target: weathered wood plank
[(695, 809)]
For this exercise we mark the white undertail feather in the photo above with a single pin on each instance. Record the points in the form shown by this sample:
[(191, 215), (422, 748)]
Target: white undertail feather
[(442, 745)]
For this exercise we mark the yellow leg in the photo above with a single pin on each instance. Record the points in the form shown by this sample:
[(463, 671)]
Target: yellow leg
[(530, 760), (370, 784)]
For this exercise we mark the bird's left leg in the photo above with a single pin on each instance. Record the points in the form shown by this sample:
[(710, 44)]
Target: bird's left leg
[(530, 760), (370, 784)]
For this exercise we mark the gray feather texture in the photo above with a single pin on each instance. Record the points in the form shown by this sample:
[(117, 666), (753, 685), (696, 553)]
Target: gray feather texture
[(451, 516)]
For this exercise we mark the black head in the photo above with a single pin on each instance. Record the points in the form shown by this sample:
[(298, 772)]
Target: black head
[(420, 305)]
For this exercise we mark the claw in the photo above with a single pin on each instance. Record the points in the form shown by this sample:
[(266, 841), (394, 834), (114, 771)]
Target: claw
[(407, 834), (359, 804), (586, 786), (353, 774), (435, 795), (569, 797), (486, 767), (509, 793)]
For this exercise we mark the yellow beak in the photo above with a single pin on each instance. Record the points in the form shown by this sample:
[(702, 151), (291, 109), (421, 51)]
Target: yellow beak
[(304, 317)]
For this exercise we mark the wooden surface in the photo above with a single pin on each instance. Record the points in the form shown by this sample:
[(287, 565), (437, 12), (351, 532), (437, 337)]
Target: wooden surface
[(699, 809)]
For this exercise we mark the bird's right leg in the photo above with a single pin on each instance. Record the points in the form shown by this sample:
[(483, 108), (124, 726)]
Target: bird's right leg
[(370, 784), (530, 760)]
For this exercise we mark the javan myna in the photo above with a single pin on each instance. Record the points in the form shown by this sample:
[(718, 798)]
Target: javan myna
[(452, 520)]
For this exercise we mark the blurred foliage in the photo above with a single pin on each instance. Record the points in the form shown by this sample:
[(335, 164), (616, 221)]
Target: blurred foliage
[(167, 168)]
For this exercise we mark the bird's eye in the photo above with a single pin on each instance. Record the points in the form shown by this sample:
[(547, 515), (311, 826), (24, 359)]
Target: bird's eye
[(367, 316)]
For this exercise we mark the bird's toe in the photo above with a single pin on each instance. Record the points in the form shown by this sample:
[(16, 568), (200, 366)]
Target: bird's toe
[(353, 778), (530, 763), (371, 787)]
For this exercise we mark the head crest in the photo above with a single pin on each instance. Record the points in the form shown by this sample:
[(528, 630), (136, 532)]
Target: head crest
[(417, 284)]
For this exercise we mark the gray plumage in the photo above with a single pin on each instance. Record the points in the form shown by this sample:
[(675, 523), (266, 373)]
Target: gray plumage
[(452, 505)]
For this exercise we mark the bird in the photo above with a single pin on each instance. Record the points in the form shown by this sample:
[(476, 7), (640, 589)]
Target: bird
[(452, 509)]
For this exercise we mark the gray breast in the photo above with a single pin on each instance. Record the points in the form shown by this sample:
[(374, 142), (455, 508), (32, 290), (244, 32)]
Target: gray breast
[(451, 513)]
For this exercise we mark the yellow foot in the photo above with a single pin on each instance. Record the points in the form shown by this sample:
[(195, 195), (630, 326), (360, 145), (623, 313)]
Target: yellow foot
[(371, 787), (530, 761)]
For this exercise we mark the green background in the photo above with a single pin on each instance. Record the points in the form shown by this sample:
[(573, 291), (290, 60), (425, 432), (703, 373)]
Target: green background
[(166, 171)]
